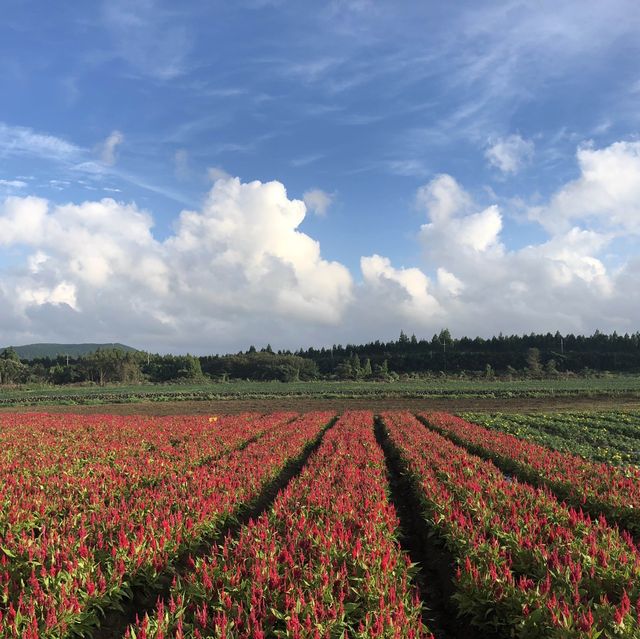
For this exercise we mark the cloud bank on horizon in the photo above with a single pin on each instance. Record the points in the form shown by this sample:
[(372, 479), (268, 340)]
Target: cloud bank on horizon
[(287, 199)]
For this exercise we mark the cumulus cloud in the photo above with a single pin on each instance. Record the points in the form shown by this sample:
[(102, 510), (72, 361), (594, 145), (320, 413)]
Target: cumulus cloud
[(405, 289), (453, 224), (318, 201), (449, 283), (510, 154), (108, 149), (442, 198), (606, 193), (63, 293), (236, 268), (483, 287), (247, 235)]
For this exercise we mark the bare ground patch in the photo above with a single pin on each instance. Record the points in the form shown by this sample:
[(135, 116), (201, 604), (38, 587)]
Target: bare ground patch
[(304, 404)]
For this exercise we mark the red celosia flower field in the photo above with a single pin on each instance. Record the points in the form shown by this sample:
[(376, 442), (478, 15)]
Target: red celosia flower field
[(322, 562), (285, 525), (601, 488), (528, 565), (94, 505)]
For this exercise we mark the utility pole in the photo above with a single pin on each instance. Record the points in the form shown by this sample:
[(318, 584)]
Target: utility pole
[(443, 341)]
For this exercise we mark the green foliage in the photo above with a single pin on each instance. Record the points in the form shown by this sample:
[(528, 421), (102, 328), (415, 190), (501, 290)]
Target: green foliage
[(344, 370), (533, 361), (10, 355), (551, 367), (405, 387), (12, 371), (381, 371), (52, 351), (263, 365), (111, 365), (501, 358), (612, 437)]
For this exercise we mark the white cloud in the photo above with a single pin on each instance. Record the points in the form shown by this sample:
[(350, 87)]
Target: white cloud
[(449, 282), (19, 140), (22, 220), (108, 149), (216, 173), (13, 184), (442, 197), (483, 288), (63, 293), (247, 235), (452, 224), (606, 193), (406, 289), (510, 154), (239, 265), (318, 201), (238, 270)]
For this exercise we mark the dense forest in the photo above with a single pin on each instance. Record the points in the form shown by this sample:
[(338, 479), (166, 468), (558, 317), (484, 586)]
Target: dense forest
[(503, 356)]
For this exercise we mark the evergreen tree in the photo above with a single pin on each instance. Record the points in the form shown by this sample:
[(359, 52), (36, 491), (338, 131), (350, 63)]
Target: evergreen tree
[(533, 361), (355, 365), (344, 370)]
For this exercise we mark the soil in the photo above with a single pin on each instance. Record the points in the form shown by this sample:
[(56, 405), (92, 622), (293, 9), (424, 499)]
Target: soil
[(304, 404)]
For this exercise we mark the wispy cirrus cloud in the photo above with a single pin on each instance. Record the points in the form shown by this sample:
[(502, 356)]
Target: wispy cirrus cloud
[(305, 160), (13, 184), (154, 40), (21, 140)]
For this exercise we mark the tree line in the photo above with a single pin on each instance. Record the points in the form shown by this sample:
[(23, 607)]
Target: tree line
[(534, 355)]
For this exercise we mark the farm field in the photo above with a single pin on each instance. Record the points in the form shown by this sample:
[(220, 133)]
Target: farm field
[(393, 523), (618, 387), (612, 436)]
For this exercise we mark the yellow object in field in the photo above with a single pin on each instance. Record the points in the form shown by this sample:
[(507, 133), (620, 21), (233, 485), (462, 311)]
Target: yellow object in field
[(213, 419)]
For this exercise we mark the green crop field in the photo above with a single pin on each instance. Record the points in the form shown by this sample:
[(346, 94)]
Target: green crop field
[(612, 436), (610, 386)]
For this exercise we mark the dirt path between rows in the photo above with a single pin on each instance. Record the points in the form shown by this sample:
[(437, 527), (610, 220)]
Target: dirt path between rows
[(302, 404)]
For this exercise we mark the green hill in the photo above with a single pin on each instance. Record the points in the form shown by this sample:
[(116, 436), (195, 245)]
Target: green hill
[(33, 351)]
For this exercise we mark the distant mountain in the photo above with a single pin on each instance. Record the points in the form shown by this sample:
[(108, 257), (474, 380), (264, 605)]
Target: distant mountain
[(33, 351)]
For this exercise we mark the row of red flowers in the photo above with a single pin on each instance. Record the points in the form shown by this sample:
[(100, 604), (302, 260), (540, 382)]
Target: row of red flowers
[(528, 565), (600, 488), (94, 506), (323, 562)]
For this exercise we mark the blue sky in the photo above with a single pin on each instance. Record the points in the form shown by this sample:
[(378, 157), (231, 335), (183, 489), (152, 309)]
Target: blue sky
[(359, 106)]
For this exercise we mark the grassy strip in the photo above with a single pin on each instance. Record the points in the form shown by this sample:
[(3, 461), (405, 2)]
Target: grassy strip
[(366, 390)]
